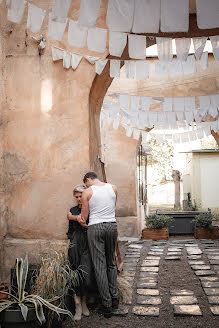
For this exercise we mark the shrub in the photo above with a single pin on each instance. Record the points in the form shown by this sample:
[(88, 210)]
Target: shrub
[(203, 220), (156, 221)]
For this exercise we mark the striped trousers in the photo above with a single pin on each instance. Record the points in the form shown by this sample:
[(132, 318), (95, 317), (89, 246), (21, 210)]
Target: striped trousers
[(102, 239)]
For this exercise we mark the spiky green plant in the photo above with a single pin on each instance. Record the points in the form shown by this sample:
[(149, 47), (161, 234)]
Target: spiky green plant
[(156, 221), (25, 301)]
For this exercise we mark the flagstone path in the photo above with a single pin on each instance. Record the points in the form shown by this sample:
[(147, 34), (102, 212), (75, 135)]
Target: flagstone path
[(174, 284)]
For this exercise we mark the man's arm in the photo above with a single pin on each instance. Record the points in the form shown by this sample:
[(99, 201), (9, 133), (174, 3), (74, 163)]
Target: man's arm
[(116, 191), (76, 218), (71, 217), (85, 204)]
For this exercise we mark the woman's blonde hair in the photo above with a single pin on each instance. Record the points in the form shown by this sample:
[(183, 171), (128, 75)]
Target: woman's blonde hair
[(79, 188)]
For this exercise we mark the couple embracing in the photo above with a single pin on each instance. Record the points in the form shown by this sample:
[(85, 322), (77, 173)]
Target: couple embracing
[(93, 237)]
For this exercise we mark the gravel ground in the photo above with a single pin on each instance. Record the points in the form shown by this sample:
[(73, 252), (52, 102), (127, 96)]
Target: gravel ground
[(172, 275)]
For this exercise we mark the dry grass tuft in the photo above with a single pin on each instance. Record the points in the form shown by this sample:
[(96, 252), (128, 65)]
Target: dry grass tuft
[(125, 290)]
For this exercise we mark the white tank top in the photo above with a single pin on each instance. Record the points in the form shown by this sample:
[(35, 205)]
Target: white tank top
[(102, 204)]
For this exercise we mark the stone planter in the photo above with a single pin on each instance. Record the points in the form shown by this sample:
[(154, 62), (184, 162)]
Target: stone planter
[(11, 318), (155, 234), (207, 233)]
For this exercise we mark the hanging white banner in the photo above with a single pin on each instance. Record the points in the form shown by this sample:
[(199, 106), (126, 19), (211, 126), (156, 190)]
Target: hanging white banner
[(120, 14), (35, 18), (174, 16), (77, 35), (146, 16), (89, 10), (117, 43)]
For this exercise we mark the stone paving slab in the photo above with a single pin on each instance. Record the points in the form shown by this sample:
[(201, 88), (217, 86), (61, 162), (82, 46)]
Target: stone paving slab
[(213, 299), (211, 291), (152, 258), (148, 274), (149, 269), (215, 310), (174, 254), (150, 263), (122, 311), (129, 268), (213, 257), (194, 252), (194, 257), (197, 262), (201, 267), (209, 278), (148, 300), (146, 311), (204, 272), (144, 284), (210, 284), (174, 258), (214, 262), (216, 267), (181, 292), (129, 273), (135, 246), (183, 300), (184, 310), (148, 292), (154, 254), (148, 279)]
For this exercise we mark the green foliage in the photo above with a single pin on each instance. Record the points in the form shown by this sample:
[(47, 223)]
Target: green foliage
[(25, 301), (161, 157), (156, 221), (203, 220)]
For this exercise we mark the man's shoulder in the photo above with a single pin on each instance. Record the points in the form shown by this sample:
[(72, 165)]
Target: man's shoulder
[(87, 191)]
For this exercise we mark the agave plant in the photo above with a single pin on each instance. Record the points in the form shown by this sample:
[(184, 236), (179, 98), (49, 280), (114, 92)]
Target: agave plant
[(25, 301)]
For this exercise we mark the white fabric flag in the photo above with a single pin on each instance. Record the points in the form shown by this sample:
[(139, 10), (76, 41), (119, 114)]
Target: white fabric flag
[(203, 112), (212, 111), (180, 116), (114, 68), (116, 122), (133, 116), (100, 65), (197, 116), (77, 35), (207, 130), (207, 13), (189, 104), (153, 117), (145, 103), (89, 10), (171, 117), (35, 18), (66, 59), (214, 100), (164, 49), (162, 118), (129, 131), (189, 66), (175, 67), (199, 44), (75, 60), (117, 43), (57, 54), (96, 39), (56, 29), (130, 69), (60, 10), (124, 101), (91, 59), (215, 47), (143, 119), (137, 46), (167, 104), (192, 135), (134, 103), (184, 137), (114, 110), (174, 16), (136, 134), (142, 69), (176, 138), (214, 126), (182, 48), (200, 133), (161, 68), (189, 117), (16, 10), (179, 104), (204, 102), (203, 61), (146, 16), (120, 15)]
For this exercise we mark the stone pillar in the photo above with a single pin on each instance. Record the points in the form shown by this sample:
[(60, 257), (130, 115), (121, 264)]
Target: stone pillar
[(176, 178)]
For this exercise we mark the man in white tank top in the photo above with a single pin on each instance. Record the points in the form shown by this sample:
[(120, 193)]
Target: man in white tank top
[(99, 201)]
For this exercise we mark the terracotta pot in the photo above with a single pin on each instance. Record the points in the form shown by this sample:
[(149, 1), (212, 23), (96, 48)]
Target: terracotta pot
[(207, 233), (155, 234), (3, 288)]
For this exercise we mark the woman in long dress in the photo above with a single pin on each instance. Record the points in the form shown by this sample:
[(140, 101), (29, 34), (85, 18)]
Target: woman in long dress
[(78, 254)]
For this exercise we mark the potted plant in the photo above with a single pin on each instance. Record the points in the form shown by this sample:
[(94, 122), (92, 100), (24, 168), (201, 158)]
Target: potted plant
[(204, 228), (157, 227), (24, 310)]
